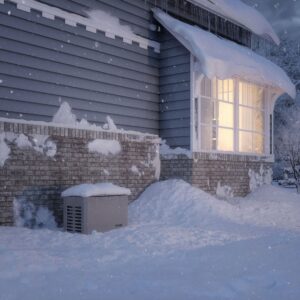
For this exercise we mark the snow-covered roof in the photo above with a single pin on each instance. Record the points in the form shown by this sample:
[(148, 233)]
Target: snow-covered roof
[(241, 13), (221, 58), (97, 189)]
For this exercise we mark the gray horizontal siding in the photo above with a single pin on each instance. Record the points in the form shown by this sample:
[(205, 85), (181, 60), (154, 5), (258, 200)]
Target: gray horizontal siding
[(44, 62), (134, 13), (174, 92)]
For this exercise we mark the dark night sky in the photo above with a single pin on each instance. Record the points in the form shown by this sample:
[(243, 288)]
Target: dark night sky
[(284, 15)]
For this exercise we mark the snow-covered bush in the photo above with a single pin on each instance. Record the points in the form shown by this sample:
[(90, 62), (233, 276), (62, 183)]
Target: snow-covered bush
[(287, 138), (287, 110)]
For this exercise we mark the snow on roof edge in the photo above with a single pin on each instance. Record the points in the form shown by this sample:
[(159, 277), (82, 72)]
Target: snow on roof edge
[(241, 14), (231, 61)]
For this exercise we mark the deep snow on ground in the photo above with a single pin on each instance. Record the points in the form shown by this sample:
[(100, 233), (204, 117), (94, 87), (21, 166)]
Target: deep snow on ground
[(181, 244)]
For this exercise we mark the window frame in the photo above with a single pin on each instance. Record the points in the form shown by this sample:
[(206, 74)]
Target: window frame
[(196, 80)]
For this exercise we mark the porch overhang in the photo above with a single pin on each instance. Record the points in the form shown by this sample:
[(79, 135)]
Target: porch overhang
[(217, 57)]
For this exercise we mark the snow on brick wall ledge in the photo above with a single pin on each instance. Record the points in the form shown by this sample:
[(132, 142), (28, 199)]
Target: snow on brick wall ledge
[(41, 161)]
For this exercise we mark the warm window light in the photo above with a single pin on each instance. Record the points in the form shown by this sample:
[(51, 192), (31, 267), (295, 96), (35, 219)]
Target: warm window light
[(225, 114), (225, 139), (219, 123), (251, 118)]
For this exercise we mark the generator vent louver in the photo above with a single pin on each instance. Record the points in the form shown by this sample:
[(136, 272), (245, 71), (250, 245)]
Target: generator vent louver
[(99, 213), (74, 219)]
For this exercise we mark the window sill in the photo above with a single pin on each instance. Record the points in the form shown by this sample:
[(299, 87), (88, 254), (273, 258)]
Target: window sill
[(232, 156)]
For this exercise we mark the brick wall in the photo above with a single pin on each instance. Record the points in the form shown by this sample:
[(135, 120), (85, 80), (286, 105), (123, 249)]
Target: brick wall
[(205, 170), (48, 159)]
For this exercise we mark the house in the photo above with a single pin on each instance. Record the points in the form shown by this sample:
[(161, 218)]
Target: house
[(181, 70)]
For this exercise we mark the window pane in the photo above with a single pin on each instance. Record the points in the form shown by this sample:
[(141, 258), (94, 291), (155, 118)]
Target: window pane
[(217, 117), (225, 114), (206, 111), (251, 142), (251, 119), (244, 93), (245, 142), (258, 143), (258, 121), (230, 91), (206, 87), (206, 138), (223, 89), (225, 139), (251, 95), (258, 96), (220, 90), (245, 118)]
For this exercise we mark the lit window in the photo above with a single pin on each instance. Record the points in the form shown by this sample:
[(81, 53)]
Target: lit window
[(217, 114), (251, 118), (232, 116)]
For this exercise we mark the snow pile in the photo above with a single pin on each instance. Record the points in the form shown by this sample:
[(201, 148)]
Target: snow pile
[(156, 163), (232, 61), (110, 125), (168, 152), (4, 150), (106, 172), (64, 115), (40, 143), (180, 244), (240, 12), (105, 147), (134, 263), (175, 202), (224, 191), (107, 22), (44, 145), (26, 214), (264, 176), (134, 169), (270, 206), (22, 141), (97, 189), (66, 118)]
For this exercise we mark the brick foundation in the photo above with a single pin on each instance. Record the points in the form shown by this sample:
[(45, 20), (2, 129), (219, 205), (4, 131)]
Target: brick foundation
[(205, 170), (31, 174)]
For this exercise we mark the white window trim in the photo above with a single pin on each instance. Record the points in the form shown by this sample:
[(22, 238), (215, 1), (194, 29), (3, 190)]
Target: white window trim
[(71, 19), (195, 96)]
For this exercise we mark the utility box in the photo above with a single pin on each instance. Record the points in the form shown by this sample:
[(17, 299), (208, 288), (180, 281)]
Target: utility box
[(100, 207), (99, 213)]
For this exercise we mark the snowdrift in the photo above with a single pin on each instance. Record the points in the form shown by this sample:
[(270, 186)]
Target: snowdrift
[(175, 202)]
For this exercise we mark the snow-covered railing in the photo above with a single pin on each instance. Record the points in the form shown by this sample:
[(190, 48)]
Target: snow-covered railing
[(71, 19)]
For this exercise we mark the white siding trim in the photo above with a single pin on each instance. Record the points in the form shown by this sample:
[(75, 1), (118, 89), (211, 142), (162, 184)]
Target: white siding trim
[(50, 12), (267, 121), (192, 104)]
